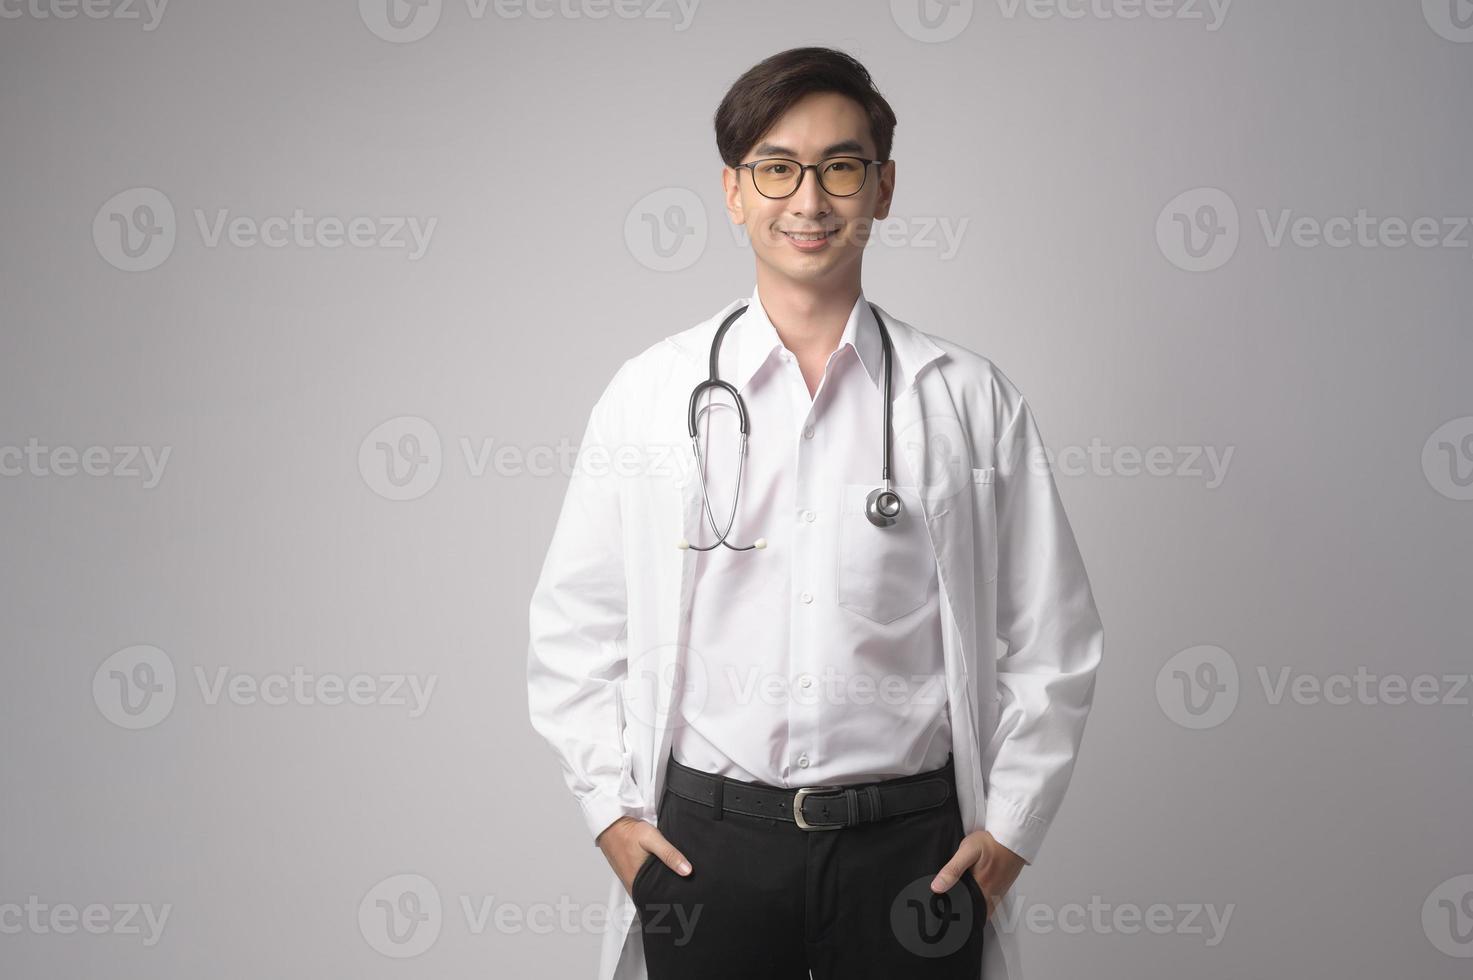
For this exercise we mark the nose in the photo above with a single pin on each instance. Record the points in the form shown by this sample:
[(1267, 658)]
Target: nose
[(810, 200)]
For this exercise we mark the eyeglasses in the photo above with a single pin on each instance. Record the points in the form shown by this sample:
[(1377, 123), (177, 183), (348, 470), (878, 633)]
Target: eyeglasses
[(777, 177)]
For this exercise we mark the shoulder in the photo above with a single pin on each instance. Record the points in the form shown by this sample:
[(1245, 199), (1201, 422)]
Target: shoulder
[(636, 386), (679, 352), (974, 376)]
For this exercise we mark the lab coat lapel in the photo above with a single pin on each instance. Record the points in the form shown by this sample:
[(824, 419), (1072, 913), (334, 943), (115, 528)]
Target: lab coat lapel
[(929, 435), (670, 661)]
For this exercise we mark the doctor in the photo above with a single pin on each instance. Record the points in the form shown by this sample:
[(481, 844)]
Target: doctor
[(818, 676)]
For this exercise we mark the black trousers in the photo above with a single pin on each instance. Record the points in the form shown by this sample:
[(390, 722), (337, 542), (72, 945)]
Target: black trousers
[(767, 900)]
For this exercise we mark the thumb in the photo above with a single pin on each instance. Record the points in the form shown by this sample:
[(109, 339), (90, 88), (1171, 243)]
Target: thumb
[(951, 872)]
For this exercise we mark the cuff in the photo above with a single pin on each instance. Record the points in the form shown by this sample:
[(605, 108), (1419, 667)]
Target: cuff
[(1015, 828), (600, 809)]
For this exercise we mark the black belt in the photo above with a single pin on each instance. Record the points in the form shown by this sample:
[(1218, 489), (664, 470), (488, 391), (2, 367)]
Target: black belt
[(813, 807)]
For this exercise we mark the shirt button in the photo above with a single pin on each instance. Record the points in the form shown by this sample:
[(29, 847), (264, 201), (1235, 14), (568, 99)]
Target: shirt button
[(808, 516), (807, 432), (806, 681), (806, 597), (803, 761)]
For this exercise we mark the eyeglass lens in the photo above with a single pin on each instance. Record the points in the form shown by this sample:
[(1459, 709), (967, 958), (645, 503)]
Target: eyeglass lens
[(840, 176)]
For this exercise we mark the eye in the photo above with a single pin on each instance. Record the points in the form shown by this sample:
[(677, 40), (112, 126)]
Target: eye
[(775, 167), (840, 166)]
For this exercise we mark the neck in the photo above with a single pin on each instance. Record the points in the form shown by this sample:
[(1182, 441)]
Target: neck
[(809, 318)]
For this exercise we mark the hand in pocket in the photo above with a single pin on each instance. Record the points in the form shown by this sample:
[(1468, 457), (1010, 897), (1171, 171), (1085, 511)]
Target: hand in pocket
[(992, 867), (629, 843)]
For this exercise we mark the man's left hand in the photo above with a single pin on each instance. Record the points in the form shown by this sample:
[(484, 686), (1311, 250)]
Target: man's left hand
[(994, 867)]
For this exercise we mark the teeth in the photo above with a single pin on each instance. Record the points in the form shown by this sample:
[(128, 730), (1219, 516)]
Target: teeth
[(806, 237)]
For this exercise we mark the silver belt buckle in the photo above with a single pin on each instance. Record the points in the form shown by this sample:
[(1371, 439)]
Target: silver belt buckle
[(803, 793)]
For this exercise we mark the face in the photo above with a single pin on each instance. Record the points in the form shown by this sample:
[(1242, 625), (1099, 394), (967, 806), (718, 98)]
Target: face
[(819, 126)]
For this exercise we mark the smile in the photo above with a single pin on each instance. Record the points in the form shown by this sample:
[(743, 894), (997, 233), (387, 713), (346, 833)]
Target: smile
[(810, 241)]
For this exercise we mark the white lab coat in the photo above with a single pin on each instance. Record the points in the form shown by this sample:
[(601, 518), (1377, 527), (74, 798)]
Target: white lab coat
[(607, 614)]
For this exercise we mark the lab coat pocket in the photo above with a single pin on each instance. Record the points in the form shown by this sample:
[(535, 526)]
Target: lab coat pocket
[(883, 572), (985, 519)]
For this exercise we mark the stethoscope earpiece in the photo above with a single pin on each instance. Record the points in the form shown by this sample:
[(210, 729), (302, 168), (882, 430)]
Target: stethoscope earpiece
[(883, 505)]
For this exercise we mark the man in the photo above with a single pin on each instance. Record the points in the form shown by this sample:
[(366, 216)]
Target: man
[(792, 735)]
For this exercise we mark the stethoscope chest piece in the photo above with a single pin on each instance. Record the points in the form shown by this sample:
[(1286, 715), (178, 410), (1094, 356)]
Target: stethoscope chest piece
[(882, 507)]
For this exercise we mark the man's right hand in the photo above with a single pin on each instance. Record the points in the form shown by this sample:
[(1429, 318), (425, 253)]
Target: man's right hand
[(627, 841)]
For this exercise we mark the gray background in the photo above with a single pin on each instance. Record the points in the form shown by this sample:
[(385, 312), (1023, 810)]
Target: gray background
[(543, 147)]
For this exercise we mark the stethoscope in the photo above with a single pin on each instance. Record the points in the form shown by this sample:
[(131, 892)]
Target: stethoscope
[(882, 507)]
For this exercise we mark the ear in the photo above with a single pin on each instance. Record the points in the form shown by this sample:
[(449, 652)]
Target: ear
[(887, 190), (731, 183)]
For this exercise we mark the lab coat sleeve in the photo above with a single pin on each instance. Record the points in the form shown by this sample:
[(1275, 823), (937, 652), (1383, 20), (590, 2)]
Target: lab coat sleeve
[(576, 657), (1046, 615)]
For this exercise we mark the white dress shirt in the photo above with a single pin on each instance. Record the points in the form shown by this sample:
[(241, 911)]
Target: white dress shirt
[(818, 659)]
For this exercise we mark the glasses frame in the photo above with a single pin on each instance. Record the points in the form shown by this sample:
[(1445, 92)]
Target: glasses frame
[(751, 165)]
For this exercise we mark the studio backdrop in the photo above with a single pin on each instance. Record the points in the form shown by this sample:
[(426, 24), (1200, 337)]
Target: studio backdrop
[(306, 306)]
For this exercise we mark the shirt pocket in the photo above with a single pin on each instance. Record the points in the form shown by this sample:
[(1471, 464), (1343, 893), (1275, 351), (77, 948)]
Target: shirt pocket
[(984, 499), (883, 572)]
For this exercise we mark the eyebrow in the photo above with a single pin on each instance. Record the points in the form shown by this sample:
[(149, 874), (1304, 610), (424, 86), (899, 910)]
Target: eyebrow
[(847, 146)]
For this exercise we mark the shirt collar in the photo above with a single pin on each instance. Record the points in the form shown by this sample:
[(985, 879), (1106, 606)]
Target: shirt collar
[(756, 339)]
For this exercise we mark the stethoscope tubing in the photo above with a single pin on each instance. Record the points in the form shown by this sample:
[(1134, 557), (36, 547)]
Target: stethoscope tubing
[(883, 506)]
